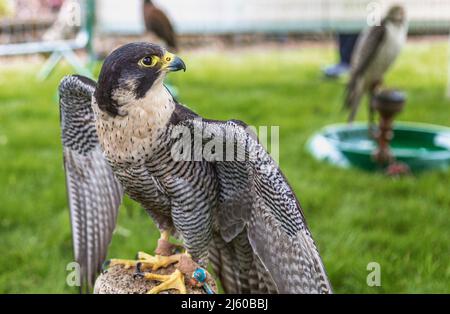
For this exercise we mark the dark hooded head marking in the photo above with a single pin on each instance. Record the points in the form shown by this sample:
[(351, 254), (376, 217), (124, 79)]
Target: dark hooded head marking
[(132, 68)]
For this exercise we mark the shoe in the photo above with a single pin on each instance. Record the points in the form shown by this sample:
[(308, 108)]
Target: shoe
[(335, 71)]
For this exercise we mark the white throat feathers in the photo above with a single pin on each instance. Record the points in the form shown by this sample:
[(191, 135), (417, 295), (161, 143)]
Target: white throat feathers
[(131, 136)]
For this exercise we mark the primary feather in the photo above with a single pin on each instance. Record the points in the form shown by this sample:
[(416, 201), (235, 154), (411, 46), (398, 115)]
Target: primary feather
[(93, 192)]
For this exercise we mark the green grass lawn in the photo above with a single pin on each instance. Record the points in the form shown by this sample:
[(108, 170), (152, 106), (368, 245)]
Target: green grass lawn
[(356, 217)]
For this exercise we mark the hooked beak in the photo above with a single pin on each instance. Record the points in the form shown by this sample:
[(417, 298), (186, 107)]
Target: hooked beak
[(173, 63)]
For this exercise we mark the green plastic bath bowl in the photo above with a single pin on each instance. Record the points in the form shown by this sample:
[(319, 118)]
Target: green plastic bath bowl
[(420, 146)]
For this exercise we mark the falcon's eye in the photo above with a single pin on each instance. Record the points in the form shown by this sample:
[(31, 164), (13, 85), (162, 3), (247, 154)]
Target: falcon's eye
[(149, 61)]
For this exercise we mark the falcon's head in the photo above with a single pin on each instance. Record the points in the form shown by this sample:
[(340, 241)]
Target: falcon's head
[(396, 15), (130, 71)]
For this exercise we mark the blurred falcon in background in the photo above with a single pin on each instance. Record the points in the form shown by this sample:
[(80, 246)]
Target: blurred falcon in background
[(156, 21), (376, 50), (240, 214)]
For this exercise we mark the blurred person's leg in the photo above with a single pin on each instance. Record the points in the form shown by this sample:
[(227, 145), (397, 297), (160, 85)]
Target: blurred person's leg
[(346, 43)]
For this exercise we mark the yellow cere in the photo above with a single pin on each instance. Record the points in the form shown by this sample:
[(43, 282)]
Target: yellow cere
[(151, 61), (167, 58)]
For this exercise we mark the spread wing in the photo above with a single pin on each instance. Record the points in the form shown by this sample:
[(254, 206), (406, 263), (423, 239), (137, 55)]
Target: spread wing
[(94, 195), (256, 200)]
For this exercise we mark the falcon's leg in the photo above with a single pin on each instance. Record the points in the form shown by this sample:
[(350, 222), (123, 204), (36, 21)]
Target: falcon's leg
[(372, 92), (372, 131), (172, 281), (164, 254), (144, 261), (166, 248), (148, 262), (164, 257), (186, 267)]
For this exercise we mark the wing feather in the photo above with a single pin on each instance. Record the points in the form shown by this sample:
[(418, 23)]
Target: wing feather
[(366, 49), (94, 194), (256, 198)]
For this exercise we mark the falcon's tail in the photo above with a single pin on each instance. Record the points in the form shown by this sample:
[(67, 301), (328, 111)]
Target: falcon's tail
[(238, 267), (353, 95)]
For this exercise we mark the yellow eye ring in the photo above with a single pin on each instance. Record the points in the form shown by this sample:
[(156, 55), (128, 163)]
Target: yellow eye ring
[(148, 61)]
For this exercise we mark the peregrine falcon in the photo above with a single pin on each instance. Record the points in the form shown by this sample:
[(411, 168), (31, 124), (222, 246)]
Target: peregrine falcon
[(376, 50), (124, 135)]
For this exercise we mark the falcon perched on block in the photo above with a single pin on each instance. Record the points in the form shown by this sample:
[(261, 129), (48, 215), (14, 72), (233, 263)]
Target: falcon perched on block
[(376, 50), (156, 21), (127, 133)]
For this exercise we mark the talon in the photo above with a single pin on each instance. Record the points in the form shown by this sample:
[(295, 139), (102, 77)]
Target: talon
[(156, 262), (126, 263), (138, 268), (173, 281), (138, 274)]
